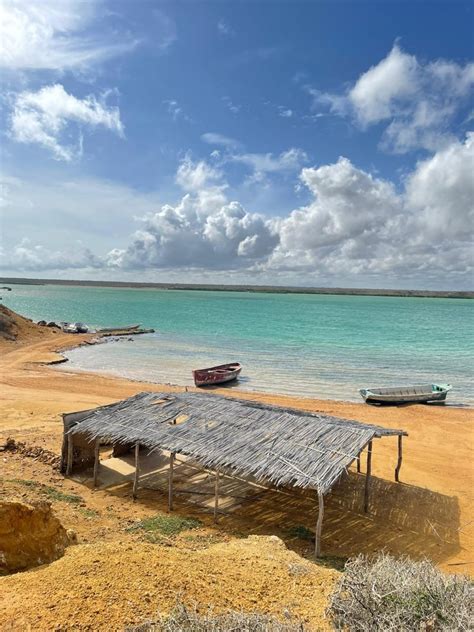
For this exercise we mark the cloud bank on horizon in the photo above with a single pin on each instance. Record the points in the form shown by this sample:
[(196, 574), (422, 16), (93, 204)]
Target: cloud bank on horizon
[(114, 169)]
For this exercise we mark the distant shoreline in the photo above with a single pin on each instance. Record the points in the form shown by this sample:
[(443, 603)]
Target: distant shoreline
[(269, 289)]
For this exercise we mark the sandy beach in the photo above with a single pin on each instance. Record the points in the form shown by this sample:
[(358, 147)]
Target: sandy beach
[(430, 513)]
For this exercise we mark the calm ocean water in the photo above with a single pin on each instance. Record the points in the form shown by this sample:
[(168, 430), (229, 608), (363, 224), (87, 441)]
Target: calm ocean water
[(315, 345)]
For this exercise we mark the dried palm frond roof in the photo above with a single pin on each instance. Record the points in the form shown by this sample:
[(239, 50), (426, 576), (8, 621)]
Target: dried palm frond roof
[(273, 445)]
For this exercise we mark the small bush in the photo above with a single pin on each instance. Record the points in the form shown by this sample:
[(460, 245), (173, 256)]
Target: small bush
[(166, 525), (301, 532), (400, 595), (183, 619)]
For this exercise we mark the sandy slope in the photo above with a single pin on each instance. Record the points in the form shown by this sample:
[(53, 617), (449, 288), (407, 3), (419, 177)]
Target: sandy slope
[(429, 514)]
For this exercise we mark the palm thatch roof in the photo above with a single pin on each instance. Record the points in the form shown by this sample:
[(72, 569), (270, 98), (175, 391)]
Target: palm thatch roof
[(273, 445)]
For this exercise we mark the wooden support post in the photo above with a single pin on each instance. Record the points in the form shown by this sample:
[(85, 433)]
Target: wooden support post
[(400, 458), (358, 463), (367, 477), (170, 482), (137, 470), (70, 454), (319, 525), (96, 461), (216, 496)]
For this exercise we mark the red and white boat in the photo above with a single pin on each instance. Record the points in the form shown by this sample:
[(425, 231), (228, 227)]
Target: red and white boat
[(217, 374)]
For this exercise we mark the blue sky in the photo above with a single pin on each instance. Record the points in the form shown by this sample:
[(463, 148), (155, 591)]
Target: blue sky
[(306, 143)]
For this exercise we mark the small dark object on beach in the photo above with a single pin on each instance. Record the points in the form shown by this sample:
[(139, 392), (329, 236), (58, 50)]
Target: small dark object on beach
[(41, 323), (51, 324)]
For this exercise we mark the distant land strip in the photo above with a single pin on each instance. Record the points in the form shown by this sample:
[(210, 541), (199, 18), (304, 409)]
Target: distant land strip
[(271, 289)]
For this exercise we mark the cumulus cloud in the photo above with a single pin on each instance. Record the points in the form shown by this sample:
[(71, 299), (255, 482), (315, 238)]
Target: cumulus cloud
[(358, 225), (51, 35), (205, 230), (357, 229), (415, 100), (43, 117), (441, 192)]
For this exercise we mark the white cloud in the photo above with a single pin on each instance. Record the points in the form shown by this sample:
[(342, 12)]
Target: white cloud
[(196, 176), (357, 230), (358, 226), (348, 203), (417, 101), (43, 117), (205, 230), (284, 112), (50, 35), (233, 107), (441, 192), (28, 256), (212, 138), (378, 92), (176, 110), (224, 28), (263, 164)]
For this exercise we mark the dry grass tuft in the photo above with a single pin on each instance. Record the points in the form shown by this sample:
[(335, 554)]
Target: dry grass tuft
[(184, 619), (400, 595)]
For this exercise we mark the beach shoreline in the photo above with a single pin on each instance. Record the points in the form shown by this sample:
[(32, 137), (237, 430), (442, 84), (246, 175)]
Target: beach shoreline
[(437, 453)]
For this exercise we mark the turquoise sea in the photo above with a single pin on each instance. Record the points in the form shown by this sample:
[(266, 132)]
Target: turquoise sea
[(319, 346)]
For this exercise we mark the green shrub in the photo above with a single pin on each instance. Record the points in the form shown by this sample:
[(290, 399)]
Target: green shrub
[(400, 595), (166, 525)]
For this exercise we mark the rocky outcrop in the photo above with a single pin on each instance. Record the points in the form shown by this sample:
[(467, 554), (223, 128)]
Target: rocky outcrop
[(30, 535)]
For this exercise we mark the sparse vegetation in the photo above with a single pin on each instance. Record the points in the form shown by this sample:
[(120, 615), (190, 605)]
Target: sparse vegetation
[(51, 493), (88, 513), (400, 595), (183, 619), (301, 532), (164, 525)]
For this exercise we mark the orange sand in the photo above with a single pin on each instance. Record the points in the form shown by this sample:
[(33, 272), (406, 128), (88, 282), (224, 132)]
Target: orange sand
[(429, 514)]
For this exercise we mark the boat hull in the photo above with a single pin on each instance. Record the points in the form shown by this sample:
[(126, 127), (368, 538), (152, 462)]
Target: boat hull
[(217, 374), (404, 395)]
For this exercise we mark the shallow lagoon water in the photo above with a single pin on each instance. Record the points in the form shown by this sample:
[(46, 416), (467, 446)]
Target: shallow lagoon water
[(320, 346)]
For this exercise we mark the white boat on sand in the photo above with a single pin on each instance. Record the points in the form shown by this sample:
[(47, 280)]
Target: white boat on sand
[(416, 394)]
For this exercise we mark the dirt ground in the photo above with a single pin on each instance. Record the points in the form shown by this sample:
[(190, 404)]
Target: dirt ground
[(430, 513)]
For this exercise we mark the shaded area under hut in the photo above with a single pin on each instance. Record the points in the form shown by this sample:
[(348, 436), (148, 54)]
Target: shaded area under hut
[(270, 445)]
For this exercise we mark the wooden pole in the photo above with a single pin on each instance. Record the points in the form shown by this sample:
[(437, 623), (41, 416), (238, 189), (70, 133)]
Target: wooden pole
[(358, 463), (319, 525), (70, 449), (367, 477), (170, 482), (96, 461), (400, 458), (216, 496), (137, 470)]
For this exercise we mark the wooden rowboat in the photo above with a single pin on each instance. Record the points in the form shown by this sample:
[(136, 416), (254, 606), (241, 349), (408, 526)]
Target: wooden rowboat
[(217, 374), (417, 394)]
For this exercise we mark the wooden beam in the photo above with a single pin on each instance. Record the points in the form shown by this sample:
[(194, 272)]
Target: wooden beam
[(96, 461), (216, 496), (400, 458), (70, 454), (358, 463), (170, 482), (137, 470), (319, 525), (367, 477)]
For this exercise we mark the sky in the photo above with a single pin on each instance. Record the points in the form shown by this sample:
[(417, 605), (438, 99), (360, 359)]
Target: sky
[(322, 143)]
